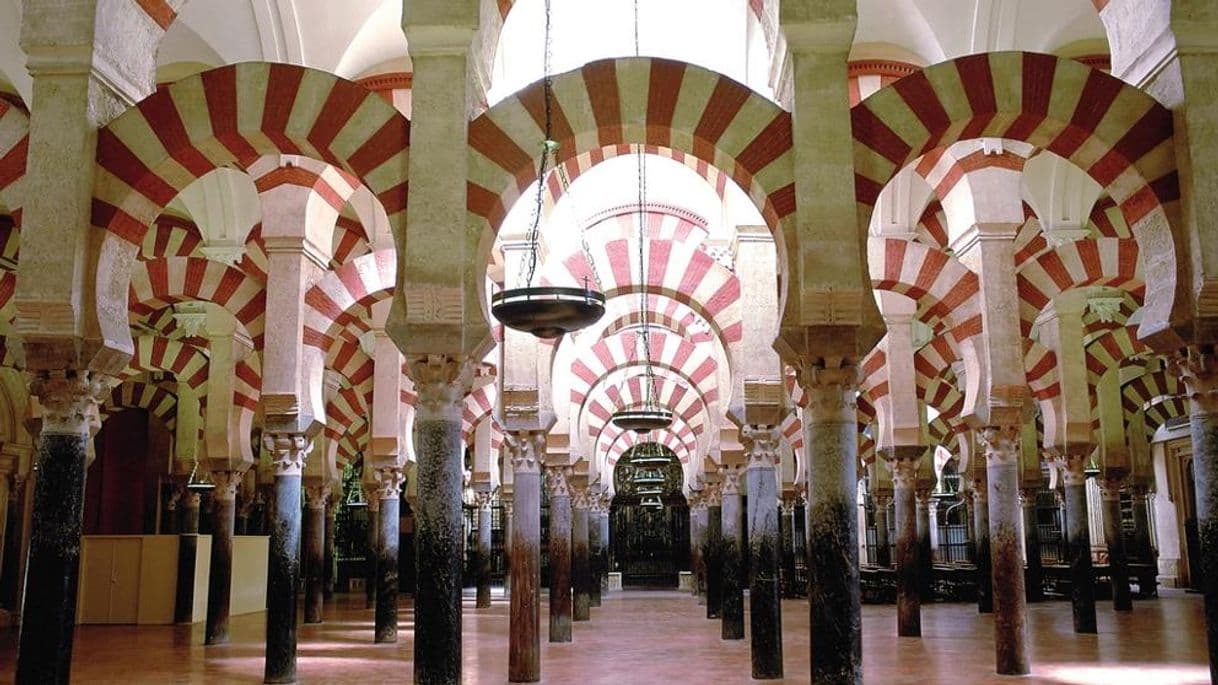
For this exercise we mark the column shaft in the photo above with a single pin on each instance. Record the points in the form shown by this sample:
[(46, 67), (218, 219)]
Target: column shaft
[(439, 547), (765, 602), (372, 549), (732, 611), (581, 572), (327, 587), (1118, 564), (524, 638), (288, 451), (1034, 581), (314, 552), (909, 602), (787, 525), (388, 536), (981, 535), (834, 594), (560, 555), (1006, 550), (926, 560), (883, 549), (595, 553), (713, 556), (483, 552), (1142, 550), (220, 576), (48, 615), (1082, 576)]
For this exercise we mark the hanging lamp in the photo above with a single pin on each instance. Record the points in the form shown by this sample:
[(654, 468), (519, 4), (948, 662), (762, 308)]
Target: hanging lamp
[(197, 483), (355, 498), (546, 311), (649, 454), (651, 416), (652, 502)]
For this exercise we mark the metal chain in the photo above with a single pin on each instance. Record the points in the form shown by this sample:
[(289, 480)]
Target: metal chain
[(649, 397), (548, 148), (561, 170)]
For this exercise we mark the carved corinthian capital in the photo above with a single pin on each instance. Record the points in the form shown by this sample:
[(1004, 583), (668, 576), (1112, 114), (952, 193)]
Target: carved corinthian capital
[(442, 384), (761, 444), (1198, 369), (288, 452), (227, 485), (69, 399)]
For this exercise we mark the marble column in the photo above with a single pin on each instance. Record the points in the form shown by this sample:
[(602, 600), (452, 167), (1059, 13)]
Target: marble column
[(482, 553), (389, 495), (596, 549), (11, 576), (981, 537), (373, 545), (833, 588), (524, 636), (1199, 371), (1078, 534), (442, 384), (909, 601), (732, 531), (191, 501), (1118, 563), (765, 593), (926, 558), (1034, 580), (1143, 550), (220, 576), (1006, 550), (787, 526), (48, 613), (697, 542), (506, 503), (288, 452), (327, 583), (883, 550), (314, 550), (560, 552), (581, 568), (188, 555), (711, 553), (603, 521)]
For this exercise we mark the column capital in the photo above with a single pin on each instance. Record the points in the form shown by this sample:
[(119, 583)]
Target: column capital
[(316, 496), (731, 479), (389, 480), (1028, 496), (1001, 443), (507, 507), (483, 499), (580, 497), (191, 499), (441, 382), (227, 485), (1070, 462), (558, 481), (288, 452), (1110, 488), (788, 503), (904, 474), (761, 445), (526, 450), (68, 398), (1198, 369), (713, 495), (831, 390)]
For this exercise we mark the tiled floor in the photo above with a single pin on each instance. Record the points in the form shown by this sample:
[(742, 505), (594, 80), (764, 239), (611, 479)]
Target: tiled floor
[(640, 638)]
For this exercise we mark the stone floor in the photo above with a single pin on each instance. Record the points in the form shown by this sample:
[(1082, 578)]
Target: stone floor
[(640, 638)]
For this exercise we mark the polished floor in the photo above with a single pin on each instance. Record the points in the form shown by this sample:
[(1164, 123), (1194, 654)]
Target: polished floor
[(640, 638)]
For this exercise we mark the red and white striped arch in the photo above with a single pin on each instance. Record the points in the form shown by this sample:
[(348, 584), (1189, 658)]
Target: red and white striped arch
[(346, 419), (172, 236), (1109, 262), (234, 115), (690, 412), (634, 101), (477, 406), (1120, 135), (945, 290), (680, 272), (660, 312), (156, 400), (14, 147), (581, 164), (187, 363), (620, 442), (694, 362), (332, 303), (163, 282), (1111, 350), (663, 222), (1040, 368)]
